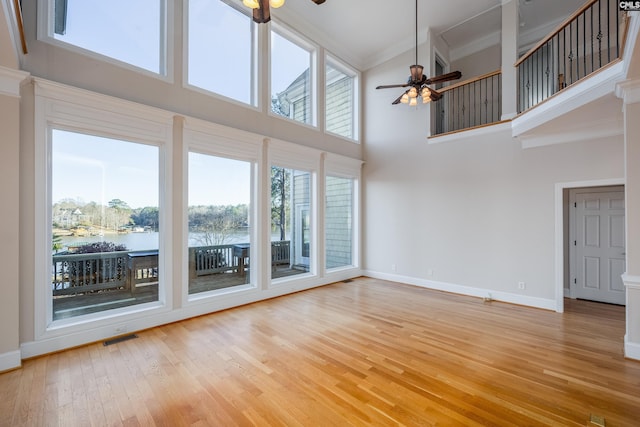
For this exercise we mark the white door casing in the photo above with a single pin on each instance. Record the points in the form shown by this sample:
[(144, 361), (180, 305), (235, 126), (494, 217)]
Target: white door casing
[(599, 245)]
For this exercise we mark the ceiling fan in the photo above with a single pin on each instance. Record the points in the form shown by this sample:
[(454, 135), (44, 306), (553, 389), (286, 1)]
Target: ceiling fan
[(261, 8), (418, 83)]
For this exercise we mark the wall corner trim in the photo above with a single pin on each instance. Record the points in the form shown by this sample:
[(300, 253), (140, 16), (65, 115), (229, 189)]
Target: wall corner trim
[(11, 80), (10, 360)]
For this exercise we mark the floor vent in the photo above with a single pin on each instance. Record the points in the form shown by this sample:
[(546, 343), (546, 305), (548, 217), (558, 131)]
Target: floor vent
[(597, 420), (120, 339)]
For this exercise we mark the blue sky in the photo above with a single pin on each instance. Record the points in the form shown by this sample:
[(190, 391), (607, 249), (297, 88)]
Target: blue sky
[(90, 168)]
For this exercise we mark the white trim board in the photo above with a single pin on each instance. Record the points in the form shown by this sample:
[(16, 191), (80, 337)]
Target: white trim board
[(631, 349), (534, 302), (10, 360)]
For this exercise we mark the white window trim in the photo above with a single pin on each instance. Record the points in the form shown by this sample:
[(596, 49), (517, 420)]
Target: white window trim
[(45, 34), (62, 107), (356, 76), (217, 140)]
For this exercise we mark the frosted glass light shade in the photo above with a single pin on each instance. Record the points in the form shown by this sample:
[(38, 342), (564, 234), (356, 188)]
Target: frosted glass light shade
[(253, 4)]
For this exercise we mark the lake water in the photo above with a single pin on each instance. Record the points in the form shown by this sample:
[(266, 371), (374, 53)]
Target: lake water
[(148, 241)]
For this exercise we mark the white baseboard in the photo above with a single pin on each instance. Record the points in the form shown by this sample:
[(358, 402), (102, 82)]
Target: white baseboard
[(631, 349), (10, 360), (543, 303)]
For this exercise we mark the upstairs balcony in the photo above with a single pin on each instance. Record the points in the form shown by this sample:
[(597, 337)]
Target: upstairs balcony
[(589, 42)]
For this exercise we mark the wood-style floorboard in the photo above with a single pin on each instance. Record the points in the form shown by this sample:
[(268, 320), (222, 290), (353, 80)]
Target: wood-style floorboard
[(362, 353)]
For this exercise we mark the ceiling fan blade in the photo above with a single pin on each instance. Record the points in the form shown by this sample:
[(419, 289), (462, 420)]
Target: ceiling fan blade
[(435, 95), (392, 86), (397, 100), (444, 77), (318, 1)]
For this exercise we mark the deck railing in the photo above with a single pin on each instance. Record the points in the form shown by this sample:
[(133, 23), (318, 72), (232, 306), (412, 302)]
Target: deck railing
[(205, 260), (468, 104), (83, 273), (586, 41), (80, 273)]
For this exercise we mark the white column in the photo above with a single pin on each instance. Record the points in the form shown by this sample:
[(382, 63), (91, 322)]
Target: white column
[(510, 26), (10, 81), (629, 91)]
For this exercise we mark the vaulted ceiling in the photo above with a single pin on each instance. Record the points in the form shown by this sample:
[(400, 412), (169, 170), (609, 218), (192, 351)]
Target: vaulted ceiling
[(368, 32)]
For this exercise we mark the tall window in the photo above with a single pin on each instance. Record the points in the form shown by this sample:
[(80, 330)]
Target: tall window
[(105, 223), (291, 78), (133, 32), (291, 231), (221, 50), (341, 113), (339, 222), (219, 223)]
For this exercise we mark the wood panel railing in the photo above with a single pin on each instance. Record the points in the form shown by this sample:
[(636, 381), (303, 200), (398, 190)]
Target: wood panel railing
[(82, 273), (74, 274), (204, 260), (471, 103), (585, 42)]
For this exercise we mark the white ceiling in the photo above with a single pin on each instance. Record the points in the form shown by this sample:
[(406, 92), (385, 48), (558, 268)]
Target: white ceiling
[(367, 32)]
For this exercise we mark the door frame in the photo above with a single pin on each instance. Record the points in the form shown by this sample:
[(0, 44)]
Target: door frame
[(562, 227), (573, 232)]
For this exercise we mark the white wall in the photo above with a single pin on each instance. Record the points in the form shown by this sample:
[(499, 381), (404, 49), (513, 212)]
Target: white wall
[(479, 63), (476, 211)]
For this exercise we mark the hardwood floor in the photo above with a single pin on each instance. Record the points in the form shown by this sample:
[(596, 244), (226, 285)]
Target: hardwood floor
[(368, 352)]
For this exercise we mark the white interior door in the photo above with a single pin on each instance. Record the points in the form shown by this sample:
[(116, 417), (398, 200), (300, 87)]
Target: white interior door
[(599, 247)]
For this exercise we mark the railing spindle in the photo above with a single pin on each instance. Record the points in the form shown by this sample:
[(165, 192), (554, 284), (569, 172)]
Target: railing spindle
[(470, 103)]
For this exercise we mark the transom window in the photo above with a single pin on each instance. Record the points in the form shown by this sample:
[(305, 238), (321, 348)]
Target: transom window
[(341, 108), (133, 32), (291, 78), (221, 50)]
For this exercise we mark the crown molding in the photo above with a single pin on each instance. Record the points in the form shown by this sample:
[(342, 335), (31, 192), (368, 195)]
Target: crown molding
[(11, 80), (629, 91)]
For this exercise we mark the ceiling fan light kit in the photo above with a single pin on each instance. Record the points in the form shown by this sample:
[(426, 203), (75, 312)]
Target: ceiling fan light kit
[(255, 4), (261, 8), (418, 82)]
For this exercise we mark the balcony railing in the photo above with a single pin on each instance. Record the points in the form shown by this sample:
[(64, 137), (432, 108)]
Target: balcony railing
[(588, 40), (468, 104)]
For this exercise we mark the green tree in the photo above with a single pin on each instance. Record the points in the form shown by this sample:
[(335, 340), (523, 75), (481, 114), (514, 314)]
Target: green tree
[(146, 217), (280, 187), (56, 243)]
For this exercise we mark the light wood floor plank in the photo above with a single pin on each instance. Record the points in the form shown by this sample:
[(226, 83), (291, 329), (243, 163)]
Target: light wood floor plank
[(368, 352)]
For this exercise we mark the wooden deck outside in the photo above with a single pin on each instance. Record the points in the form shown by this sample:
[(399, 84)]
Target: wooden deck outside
[(364, 353), (77, 305), (94, 282)]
